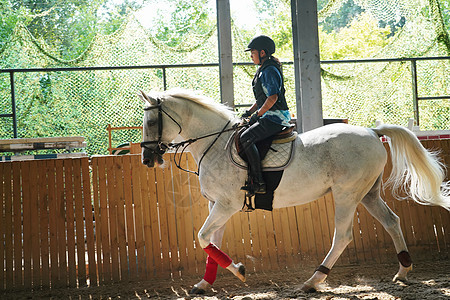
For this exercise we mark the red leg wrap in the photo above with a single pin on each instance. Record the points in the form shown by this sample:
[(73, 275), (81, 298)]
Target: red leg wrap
[(218, 255), (211, 270)]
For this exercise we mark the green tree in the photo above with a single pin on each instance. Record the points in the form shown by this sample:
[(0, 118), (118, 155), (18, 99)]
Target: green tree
[(275, 21), (445, 10), (179, 19), (8, 20), (349, 33), (66, 26), (362, 38), (110, 15), (346, 13)]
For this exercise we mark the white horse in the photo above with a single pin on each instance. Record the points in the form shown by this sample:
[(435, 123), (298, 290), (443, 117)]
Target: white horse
[(344, 159)]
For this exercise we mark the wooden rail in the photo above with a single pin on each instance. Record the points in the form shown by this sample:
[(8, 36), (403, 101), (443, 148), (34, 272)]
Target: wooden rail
[(75, 222), (65, 142), (133, 148)]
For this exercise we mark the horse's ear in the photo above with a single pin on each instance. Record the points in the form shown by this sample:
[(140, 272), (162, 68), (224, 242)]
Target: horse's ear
[(147, 98), (141, 96)]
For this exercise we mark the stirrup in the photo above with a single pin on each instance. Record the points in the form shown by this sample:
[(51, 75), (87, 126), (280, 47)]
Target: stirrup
[(260, 188), (249, 203), (248, 187), (249, 197), (253, 187)]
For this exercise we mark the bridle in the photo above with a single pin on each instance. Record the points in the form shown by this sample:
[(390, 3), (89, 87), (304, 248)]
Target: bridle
[(161, 147)]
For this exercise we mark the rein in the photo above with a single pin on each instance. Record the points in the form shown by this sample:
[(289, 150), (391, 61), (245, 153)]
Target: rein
[(163, 147), (186, 144)]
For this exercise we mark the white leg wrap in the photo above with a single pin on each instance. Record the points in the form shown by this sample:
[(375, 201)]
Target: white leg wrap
[(402, 273), (200, 288), (238, 270), (203, 284), (312, 284)]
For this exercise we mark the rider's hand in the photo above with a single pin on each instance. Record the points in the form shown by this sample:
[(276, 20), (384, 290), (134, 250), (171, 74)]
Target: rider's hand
[(246, 114), (254, 119)]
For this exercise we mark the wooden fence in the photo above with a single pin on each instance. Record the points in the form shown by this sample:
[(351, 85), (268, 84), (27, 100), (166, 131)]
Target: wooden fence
[(75, 222)]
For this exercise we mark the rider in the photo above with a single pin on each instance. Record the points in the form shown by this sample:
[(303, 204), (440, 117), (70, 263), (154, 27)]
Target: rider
[(270, 113)]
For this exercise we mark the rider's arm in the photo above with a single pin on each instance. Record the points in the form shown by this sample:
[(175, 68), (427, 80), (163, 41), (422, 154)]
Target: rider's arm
[(271, 81), (270, 101), (253, 108)]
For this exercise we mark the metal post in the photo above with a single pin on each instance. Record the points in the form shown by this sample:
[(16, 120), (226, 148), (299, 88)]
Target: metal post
[(415, 90), (307, 60), (225, 52), (164, 78), (298, 96), (13, 103)]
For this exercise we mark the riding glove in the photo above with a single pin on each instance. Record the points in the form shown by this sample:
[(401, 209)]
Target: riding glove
[(254, 118), (246, 114)]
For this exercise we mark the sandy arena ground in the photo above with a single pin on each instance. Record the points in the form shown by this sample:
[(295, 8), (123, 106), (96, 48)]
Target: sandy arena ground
[(428, 280)]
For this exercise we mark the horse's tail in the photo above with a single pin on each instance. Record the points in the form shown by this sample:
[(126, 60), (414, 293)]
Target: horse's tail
[(415, 170)]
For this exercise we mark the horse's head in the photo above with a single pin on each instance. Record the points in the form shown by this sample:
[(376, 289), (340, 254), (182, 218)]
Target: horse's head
[(157, 132)]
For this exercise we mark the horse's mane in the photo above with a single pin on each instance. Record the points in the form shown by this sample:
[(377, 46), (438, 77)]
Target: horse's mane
[(202, 100)]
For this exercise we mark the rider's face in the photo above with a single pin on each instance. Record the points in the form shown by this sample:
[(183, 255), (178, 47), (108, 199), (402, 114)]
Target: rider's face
[(255, 56)]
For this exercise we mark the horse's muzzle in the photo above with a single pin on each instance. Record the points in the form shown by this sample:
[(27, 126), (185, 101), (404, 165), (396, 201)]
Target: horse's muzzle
[(149, 158), (148, 162)]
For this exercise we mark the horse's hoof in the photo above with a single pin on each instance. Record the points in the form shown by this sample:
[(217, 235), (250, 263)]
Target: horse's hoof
[(397, 277), (241, 272), (197, 291), (308, 288), (402, 274)]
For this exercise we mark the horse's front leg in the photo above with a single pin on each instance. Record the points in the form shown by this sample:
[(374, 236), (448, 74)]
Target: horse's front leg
[(210, 239), (211, 265)]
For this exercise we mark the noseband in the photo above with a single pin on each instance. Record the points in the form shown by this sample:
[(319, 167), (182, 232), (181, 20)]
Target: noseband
[(160, 146)]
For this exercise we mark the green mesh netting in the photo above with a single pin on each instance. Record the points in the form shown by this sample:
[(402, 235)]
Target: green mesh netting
[(365, 92), (85, 102)]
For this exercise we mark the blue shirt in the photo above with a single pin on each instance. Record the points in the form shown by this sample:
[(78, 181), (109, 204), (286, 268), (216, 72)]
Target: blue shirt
[(271, 82)]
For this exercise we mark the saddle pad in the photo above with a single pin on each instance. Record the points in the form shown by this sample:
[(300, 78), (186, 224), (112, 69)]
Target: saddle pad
[(278, 158)]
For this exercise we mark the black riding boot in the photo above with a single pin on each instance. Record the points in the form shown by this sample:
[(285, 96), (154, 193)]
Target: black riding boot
[(254, 161)]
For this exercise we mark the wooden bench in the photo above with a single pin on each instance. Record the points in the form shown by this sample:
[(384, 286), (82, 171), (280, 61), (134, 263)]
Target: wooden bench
[(18, 145)]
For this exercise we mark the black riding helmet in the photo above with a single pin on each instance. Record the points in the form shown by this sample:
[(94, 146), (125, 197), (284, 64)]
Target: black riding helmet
[(262, 42)]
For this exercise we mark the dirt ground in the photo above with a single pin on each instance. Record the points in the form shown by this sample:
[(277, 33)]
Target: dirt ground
[(428, 280)]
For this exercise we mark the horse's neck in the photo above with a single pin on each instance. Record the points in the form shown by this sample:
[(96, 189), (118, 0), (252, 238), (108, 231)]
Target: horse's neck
[(203, 122)]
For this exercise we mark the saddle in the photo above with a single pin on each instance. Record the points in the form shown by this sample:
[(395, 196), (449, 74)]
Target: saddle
[(276, 153)]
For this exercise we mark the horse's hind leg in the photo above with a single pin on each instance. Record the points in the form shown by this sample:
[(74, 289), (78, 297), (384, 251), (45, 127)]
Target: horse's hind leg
[(342, 237), (391, 222)]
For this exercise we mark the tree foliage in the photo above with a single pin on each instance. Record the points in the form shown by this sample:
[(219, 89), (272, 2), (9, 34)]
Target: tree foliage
[(445, 9), (347, 12), (346, 34), (67, 27), (362, 38), (181, 18)]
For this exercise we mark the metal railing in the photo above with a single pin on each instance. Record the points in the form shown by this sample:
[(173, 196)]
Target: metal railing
[(413, 61), (11, 72), (414, 84)]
